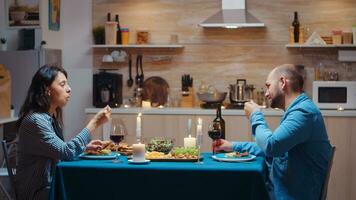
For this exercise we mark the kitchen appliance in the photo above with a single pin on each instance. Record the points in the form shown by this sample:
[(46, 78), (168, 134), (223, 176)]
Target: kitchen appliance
[(335, 94), (240, 93), (232, 15), (107, 89), (211, 100)]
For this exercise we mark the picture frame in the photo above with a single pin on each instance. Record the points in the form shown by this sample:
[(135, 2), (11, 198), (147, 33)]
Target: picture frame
[(22, 13), (54, 9)]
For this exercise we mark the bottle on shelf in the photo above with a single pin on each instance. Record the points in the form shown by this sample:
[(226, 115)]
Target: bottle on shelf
[(118, 31), (296, 26), (108, 17), (220, 121)]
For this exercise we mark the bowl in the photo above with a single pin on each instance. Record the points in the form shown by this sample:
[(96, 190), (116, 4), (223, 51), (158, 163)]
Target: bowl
[(160, 144), (216, 97)]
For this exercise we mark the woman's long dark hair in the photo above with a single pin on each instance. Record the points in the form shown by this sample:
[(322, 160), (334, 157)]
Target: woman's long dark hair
[(37, 99)]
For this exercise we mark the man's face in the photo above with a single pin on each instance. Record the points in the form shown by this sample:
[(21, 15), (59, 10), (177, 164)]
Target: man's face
[(274, 92)]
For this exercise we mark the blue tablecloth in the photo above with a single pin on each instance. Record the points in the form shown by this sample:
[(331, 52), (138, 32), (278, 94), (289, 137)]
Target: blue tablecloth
[(102, 179)]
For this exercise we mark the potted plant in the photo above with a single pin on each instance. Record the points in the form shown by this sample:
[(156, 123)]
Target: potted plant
[(99, 35), (3, 44)]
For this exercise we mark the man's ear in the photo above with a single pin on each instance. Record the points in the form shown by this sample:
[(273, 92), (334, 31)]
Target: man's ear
[(283, 82)]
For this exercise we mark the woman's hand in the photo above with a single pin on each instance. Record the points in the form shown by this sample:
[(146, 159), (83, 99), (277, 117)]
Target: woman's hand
[(100, 118), (222, 145), (94, 145)]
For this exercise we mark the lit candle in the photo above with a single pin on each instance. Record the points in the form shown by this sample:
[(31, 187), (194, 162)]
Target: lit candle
[(146, 104), (138, 127), (189, 141), (199, 132), (200, 126), (138, 152)]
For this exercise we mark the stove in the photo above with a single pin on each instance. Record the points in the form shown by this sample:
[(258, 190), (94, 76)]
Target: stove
[(236, 105), (210, 105)]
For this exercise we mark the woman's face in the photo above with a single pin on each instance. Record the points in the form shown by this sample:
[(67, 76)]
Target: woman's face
[(59, 91)]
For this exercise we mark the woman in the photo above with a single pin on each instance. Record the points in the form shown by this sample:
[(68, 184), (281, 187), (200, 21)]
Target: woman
[(41, 144), (155, 90)]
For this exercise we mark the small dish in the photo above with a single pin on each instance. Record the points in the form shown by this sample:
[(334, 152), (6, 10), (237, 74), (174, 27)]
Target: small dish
[(138, 162)]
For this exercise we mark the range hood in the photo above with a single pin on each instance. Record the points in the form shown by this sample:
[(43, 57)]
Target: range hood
[(232, 15)]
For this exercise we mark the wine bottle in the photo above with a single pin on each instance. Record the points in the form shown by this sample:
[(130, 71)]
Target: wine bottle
[(108, 17), (118, 31), (220, 121), (296, 25)]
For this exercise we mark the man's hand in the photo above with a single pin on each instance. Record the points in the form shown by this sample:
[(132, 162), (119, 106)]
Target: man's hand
[(251, 107), (94, 145), (222, 145)]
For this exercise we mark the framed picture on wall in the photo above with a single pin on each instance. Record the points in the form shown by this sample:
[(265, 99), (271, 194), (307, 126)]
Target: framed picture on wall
[(23, 13), (54, 9)]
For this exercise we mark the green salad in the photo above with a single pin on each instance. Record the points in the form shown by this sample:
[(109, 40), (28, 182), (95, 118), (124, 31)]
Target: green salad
[(164, 145), (185, 151)]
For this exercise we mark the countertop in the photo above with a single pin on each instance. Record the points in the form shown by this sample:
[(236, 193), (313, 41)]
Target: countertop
[(200, 111), (7, 120)]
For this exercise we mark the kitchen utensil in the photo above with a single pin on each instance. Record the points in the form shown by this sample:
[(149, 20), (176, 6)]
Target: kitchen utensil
[(241, 92), (130, 80), (142, 77), (216, 97), (137, 78)]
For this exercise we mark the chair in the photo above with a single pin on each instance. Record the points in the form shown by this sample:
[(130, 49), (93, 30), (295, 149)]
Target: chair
[(324, 190), (11, 166)]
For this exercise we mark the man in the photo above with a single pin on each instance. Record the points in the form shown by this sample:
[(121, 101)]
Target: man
[(298, 151)]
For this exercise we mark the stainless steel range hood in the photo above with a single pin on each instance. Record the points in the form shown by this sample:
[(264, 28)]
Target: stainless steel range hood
[(232, 15)]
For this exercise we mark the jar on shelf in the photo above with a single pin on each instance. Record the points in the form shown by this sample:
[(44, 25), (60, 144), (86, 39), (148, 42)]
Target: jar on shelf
[(125, 35), (336, 36), (110, 32), (142, 37)]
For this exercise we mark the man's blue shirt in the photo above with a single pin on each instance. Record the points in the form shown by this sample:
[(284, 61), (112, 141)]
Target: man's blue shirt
[(297, 152)]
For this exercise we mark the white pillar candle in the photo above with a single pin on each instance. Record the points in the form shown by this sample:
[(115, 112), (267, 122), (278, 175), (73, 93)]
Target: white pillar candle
[(189, 142), (138, 152), (138, 127)]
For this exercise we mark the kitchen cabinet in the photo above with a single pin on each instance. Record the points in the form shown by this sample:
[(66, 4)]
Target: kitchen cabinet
[(321, 46), (341, 131)]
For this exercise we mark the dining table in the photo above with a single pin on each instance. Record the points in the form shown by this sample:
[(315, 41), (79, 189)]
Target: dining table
[(209, 179)]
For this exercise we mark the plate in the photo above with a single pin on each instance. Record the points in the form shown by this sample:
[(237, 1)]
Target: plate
[(176, 159), (138, 162), (222, 157), (112, 155)]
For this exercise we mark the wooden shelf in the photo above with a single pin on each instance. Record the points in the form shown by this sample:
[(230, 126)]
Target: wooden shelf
[(321, 46), (141, 46)]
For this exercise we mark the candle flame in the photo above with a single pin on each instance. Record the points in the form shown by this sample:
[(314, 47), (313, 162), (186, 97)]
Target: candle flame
[(200, 121), (139, 114)]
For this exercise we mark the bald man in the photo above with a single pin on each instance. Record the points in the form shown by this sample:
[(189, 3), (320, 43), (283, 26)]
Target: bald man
[(298, 151)]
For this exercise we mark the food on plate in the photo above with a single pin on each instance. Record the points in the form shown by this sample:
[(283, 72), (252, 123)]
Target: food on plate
[(164, 145), (106, 148), (185, 153), (157, 155), (236, 154), (98, 152), (124, 149)]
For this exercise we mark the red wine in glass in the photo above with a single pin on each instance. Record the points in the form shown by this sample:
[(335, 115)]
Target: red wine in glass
[(117, 138), (214, 134)]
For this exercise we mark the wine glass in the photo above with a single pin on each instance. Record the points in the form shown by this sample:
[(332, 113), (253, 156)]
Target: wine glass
[(215, 133), (117, 134), (199, 143)]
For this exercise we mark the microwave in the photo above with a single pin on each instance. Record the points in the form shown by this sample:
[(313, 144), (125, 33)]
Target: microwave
[(335, 94)]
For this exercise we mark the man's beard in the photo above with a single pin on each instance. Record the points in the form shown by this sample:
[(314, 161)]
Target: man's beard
[(278, 100)]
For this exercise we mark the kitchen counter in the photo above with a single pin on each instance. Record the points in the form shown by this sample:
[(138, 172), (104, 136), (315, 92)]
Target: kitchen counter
[(200, 111)]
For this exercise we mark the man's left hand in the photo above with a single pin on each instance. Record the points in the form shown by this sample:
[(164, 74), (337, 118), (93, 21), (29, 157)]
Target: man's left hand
[(251, 107)]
